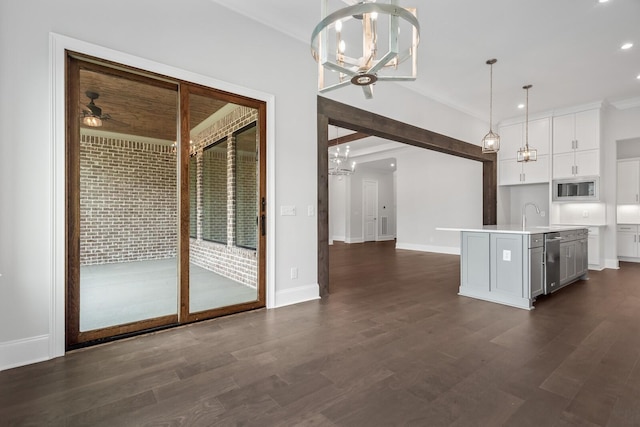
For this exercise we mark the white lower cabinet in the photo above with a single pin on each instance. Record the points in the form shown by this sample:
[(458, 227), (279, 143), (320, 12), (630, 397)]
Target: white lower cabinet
[(594, 256), (628, 241)]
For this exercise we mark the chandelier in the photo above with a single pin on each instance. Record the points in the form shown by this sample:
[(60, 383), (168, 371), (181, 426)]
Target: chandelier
[(491, 141), (339, 160), (526, 154), (349, 43)]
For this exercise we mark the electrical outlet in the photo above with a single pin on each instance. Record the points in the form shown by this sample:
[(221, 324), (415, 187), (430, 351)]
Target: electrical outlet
[(310, 210), (585, 214), (543, 214), (506, 255), (294, 272)]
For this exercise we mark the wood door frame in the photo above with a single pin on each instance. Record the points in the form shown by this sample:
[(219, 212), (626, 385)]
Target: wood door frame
[(330, 112), (73, 337)]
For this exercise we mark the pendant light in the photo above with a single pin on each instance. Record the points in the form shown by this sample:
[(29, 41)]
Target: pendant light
[(339, 160), (491, 141), (526, 154)]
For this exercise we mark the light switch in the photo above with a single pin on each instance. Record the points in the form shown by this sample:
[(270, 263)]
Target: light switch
[(506, 255), (310, 210), (287, 210)]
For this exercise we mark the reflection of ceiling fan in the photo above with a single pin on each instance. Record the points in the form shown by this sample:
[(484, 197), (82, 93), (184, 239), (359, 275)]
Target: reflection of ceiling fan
[(93, 116)]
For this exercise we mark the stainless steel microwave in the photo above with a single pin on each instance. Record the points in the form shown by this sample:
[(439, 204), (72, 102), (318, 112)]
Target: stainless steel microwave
[(576, 189)]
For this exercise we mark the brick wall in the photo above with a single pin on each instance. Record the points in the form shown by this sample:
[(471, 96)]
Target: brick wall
[(214, 199), (227, 259), (246, 200), (129, 203), (128, 208)]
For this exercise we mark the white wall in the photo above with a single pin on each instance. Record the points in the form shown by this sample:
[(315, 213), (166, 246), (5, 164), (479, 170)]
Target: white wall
[(201, 37), (338, 201), (618, 124), (513, 199), (436, 190)]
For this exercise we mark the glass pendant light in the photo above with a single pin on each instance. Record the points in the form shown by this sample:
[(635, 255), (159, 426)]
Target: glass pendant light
[(526, 154), (491, 141)]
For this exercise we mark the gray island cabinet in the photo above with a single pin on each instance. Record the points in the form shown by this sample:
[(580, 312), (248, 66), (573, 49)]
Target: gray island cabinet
[(512, 266)]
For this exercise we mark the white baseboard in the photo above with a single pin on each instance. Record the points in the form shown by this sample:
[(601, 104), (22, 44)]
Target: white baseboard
[(429, 248), (297, 294), (354, 240), (385, 238), (611, 263), (338, 238), (24, 352)]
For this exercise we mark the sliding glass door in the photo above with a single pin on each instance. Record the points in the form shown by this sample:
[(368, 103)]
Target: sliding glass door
[(165, 183)]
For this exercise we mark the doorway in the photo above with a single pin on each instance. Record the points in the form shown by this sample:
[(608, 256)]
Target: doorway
[(165, 202), (334, 113), (370, 210)]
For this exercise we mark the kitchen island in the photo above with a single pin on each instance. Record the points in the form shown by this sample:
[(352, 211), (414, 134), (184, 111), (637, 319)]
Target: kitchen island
[(512, 265)]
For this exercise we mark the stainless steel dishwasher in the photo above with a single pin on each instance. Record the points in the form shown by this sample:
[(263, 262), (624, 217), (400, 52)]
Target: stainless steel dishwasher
[(551, 262)]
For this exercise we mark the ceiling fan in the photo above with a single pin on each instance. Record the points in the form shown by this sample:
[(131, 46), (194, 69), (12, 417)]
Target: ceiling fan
[(92, 116)]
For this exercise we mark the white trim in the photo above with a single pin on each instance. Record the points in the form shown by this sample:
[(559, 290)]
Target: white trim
[(58, 45), (626, 103), (552, 113), (126, 137), (385, 238), (354, 240), (297, 295), (429, 248), (338, 238), (24, 351)]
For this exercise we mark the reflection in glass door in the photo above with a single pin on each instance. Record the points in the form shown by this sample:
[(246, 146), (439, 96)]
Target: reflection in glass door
[(123, 202), (165, 202), (223, 254)]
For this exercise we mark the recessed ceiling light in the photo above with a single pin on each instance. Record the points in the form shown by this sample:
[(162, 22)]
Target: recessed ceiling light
[(626, 46), (638, 77), (521, 106), (393, 164), (603, 1)]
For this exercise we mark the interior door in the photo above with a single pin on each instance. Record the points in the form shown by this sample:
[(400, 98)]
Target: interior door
[(370, 210), (165, 202)]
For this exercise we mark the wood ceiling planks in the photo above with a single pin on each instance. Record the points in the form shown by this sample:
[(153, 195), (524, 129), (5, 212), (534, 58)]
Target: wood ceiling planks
[(140, 109)]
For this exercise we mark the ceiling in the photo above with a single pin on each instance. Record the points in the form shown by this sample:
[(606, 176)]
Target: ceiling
[(569, 50), (141, 109)]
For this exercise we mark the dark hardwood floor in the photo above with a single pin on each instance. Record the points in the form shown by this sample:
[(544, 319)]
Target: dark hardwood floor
[(393, 344)]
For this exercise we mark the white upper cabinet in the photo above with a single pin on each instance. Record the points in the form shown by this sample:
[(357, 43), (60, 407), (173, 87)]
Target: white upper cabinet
[(512, 138), (540, 135), (628, 182), (510, 141), (576, 144)]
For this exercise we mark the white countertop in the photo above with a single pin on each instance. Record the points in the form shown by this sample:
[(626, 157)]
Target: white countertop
[(514, 229)]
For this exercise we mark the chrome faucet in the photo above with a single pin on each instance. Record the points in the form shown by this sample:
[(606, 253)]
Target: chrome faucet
[(524, 213)]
